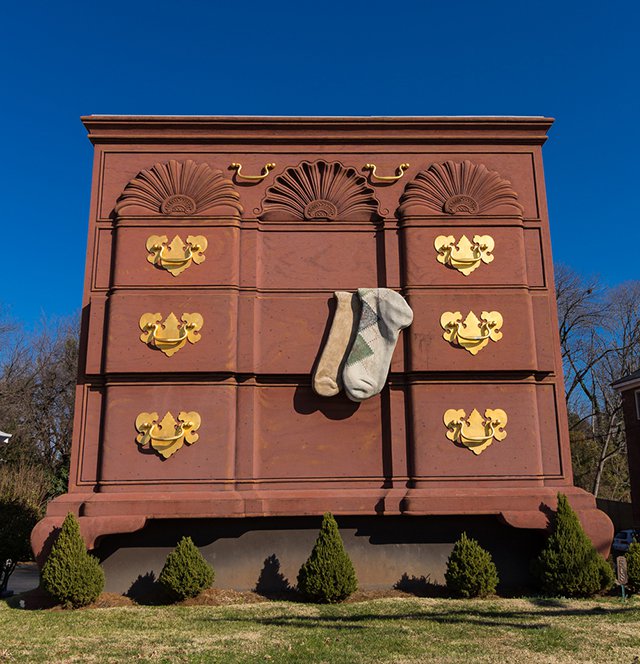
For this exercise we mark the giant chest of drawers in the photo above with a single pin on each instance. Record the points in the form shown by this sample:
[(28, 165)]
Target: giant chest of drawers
[(271, 216)]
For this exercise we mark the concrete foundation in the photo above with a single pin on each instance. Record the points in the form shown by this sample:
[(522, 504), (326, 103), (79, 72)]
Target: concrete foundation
[(266, 554)]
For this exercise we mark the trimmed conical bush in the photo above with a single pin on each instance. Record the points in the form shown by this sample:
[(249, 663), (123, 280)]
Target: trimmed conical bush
[(186, 573), (569, 565), (328, 575), (471, 571), (70, 575), (633, 567)]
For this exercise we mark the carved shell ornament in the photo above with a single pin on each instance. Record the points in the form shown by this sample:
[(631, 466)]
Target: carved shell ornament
[(179, 188), (459, 188), (320, 190)]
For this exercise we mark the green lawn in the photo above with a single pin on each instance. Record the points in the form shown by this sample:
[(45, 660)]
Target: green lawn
[(384, 630)]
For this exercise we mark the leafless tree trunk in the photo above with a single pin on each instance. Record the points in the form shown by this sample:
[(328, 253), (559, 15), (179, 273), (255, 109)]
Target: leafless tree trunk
[(37, 388), (600, 341)]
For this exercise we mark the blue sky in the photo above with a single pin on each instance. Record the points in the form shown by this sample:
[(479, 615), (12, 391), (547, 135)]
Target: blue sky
[(575, 61)]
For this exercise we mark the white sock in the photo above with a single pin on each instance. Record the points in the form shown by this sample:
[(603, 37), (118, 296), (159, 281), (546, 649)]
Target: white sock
[(383, 314)]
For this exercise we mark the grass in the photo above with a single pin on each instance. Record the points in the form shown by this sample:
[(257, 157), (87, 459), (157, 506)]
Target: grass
[(398, 630)]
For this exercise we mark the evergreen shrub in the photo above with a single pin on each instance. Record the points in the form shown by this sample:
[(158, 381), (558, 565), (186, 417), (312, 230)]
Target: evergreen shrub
[(569, 565), (186, 573), (471, 571), (70, 575), (633, 567), (328, 575)]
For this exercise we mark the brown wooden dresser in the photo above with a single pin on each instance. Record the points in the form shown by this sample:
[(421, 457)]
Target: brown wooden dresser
[(215, 247)]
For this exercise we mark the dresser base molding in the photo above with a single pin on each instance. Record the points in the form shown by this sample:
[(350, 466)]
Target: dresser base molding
[(103, 514)]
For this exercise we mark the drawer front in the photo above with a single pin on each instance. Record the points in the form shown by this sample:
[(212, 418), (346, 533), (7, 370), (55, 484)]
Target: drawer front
[(514, 351), (317, 260), (285, 334), (291, 332), (210, 458), (121, 167), (219, 267), (503, 263), (214, 352), (530, 449), (286, 433), (301, 435)]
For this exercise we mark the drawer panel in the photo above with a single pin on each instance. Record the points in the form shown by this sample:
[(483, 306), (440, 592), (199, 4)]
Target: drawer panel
[(317, 260), (515, 351), (291, 331), (209, 458), (220, 267), (422, 267), (120, 167), (301, 435), (520, 454), (215, 351)]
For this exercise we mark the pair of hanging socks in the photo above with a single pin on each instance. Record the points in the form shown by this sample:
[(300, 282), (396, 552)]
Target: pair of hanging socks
[(327, 380), (383, 314)]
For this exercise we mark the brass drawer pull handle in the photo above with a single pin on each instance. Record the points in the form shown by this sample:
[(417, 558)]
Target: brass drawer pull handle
[(475, 432), (152, 328), (386, 178), (478, 439), (480, 337), (177, 332), (478, 330), (167, 439), (255, 178), (150, 436), (463, 254), (175, 256), (188, 255)]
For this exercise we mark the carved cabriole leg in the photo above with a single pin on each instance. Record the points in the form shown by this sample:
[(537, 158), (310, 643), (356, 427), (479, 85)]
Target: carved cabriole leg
[(91, 528), (597, 525)]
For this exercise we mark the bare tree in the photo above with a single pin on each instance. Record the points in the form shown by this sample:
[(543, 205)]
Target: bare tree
[(37, 388), (600, 337)]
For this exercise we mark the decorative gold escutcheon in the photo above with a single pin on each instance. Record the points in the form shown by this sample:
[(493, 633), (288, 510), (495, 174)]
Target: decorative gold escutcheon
[(472, 333), (170, 336), (168, 436), (176, 256), (475, 432), (254, 178), (386, 178), (464, 255)]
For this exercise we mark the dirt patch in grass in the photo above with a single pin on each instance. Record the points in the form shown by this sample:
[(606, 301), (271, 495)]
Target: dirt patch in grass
[(38, 599), (220, 597), (111, 600)]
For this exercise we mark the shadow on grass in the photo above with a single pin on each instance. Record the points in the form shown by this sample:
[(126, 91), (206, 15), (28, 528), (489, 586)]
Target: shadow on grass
[(523, 620), (32, 600)]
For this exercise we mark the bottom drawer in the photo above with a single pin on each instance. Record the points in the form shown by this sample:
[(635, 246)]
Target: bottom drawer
[(453, 424)]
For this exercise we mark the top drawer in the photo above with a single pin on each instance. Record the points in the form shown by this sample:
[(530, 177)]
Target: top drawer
[(480, 255), (174, 255)]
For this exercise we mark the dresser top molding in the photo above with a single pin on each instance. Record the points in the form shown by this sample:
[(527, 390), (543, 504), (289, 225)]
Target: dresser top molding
[(209, 129)]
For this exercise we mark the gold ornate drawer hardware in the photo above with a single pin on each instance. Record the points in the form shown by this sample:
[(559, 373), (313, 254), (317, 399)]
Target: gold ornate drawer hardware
[(172, 335), (254, 178), (386, 178), (464, 255), (472, 333), (167, 437), (176, 256), (476, 432)]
